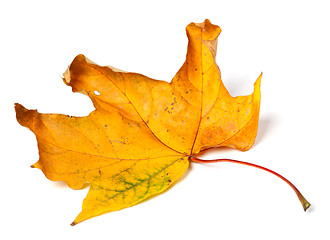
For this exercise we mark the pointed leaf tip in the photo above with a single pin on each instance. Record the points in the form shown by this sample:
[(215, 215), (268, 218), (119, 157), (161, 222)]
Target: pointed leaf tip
[(19, 108), (20, 113), (209, 31)]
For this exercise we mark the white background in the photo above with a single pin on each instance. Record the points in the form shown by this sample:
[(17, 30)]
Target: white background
[(288, 41)]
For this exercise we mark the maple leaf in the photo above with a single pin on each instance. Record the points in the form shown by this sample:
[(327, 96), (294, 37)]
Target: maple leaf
[(143, 133)]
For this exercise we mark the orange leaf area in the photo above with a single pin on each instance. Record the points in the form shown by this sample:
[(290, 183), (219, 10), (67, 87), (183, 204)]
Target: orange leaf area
[(141, 136)]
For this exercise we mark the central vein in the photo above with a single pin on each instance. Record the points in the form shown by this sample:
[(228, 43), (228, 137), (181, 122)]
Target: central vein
[(202, 87)]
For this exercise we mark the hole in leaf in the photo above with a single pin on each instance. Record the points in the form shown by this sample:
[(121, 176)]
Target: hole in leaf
[(97, 93)]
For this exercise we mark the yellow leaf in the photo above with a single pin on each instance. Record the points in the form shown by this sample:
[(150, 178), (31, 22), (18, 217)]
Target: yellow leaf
[(143, 132)]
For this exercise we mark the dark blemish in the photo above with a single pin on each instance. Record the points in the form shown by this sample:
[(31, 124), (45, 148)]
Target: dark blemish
[(106, 125), (195, 69), (166, 174), (208, 118), (172, 93), (166, 108), (169, 180), (172, 103), (167, 130), (237, 110), (187, 92)]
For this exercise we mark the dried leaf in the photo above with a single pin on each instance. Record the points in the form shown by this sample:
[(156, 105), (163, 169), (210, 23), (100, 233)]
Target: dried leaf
[(143, 133)]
